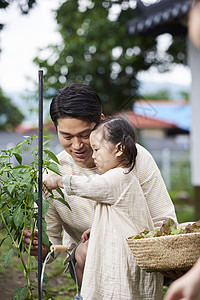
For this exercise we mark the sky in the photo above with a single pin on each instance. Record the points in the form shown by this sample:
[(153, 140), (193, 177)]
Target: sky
[(24, 35)]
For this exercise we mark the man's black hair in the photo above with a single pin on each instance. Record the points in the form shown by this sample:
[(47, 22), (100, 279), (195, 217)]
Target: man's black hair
[(76, 100)]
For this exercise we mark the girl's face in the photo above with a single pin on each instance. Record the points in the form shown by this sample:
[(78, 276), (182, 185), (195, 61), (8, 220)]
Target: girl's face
[(104, 153)]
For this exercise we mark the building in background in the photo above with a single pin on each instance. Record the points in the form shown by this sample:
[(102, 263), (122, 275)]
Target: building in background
[(178, 17)]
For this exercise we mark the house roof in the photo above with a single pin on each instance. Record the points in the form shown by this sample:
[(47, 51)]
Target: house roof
[(172, 112), (160, 17), (144, 122)]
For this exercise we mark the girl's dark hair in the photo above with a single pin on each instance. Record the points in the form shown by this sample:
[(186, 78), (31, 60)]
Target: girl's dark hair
[(76, 101), (118, 130)]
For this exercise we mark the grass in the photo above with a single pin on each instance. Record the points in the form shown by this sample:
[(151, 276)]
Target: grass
[(185, 213)]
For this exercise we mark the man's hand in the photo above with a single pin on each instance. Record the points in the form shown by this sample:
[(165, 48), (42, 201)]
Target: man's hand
[(34, 245), (86, 235)]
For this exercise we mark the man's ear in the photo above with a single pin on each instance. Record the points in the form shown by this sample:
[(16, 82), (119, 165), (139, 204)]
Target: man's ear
[(119, 149), (102, 117)]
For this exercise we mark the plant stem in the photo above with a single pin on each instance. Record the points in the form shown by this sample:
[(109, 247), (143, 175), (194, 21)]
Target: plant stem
[(13, 241)]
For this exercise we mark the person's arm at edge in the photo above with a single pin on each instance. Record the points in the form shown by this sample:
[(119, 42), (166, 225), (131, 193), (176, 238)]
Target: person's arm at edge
[(187, 286)]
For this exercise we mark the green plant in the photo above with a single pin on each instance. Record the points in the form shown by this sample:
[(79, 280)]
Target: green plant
[(18, 204)]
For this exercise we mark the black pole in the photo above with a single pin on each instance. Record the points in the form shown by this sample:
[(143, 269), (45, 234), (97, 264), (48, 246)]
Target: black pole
[(40, 146)]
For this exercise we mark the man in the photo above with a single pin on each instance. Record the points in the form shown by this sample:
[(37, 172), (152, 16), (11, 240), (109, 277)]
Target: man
[(75, 110)]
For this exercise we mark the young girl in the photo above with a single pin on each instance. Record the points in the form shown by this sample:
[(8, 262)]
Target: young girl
[(111, 271)]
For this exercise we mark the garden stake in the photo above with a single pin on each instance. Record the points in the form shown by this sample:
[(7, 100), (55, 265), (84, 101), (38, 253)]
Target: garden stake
[(40, 148)]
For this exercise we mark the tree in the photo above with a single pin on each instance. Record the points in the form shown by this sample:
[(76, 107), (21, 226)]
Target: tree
[(10, 116), (162, 94), (96, 49)]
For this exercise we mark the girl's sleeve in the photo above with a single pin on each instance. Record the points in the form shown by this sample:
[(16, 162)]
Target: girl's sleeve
[(94, 187)]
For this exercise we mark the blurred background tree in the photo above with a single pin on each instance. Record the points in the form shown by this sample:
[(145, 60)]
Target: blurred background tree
[(10, 116), (162, 94), (97, 50)]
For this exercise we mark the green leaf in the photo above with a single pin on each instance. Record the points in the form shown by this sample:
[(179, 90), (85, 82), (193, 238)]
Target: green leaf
[(52, 156), (64, 202), (20, 293), (18, 157), (7, 257), (45, 238), (11, 187), (176, 231), (45, 207), (46, 279), (22, 167), (3, 240), (18, 217), (54, 168), (60, 192), (47, 295)]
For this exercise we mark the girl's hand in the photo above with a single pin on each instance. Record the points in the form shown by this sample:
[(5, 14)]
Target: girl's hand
[(85, 236), (52, 182)]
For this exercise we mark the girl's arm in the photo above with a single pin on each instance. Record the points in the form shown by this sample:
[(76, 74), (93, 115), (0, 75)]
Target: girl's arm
[(95, 187)]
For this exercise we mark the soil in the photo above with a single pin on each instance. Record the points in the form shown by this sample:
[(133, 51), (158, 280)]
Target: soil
[(60, 286)]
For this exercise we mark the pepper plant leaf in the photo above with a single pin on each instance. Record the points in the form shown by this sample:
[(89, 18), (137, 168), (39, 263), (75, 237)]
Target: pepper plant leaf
[(64, 202), (52, 156), (18, 217), (18, 157), (45, 207), (53, 167), (11, 187), (20, 293), (60, 192), (22, 167), (7, 257)]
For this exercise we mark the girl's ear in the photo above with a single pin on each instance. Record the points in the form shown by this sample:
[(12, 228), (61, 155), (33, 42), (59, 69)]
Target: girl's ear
[(119, 149)]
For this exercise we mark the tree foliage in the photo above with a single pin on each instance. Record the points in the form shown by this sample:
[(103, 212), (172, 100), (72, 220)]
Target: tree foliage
[(162, 94), (96, 49), (10, 116)]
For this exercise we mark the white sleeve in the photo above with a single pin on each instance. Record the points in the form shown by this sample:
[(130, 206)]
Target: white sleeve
[(94, 187)]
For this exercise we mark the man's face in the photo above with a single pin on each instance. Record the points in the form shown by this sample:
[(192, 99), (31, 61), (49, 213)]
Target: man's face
[(73, 134)]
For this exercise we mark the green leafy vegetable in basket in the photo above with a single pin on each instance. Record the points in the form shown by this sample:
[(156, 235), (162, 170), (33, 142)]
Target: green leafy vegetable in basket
[(169, 227)]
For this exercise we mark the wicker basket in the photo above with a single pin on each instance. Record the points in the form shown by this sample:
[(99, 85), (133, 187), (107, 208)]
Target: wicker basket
[(172, 252)]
